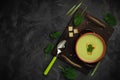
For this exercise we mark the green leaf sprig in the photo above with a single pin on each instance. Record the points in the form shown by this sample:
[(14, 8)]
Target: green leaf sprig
[(110, 19), (69, 73), (55, 35), (48, 48), (78, 19), (90, 48)]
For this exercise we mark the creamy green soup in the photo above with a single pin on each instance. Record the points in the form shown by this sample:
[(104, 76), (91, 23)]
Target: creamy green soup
[(82, 48)]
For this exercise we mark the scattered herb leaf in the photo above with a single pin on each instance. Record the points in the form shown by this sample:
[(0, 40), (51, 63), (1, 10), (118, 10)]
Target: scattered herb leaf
[(110, 19), (90, 48), (78, 19), (48, 48), (69, 73), (55, 35)]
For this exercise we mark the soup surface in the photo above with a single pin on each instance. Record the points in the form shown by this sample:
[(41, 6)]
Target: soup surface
[(90, 47)]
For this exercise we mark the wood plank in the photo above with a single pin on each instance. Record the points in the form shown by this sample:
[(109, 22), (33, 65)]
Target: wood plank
[(89, 25)]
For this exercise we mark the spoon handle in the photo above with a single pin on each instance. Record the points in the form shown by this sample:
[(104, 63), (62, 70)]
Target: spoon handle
[(50, 65)]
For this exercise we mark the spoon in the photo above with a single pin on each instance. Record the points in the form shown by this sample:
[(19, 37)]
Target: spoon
[(60, 45)]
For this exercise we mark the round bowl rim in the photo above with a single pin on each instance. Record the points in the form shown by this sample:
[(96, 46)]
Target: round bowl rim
[(104, 45)]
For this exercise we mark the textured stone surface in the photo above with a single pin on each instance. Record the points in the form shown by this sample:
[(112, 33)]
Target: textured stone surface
[(24, 29)]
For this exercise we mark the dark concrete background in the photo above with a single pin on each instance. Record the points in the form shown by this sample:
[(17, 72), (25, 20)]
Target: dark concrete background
[(24, 29)]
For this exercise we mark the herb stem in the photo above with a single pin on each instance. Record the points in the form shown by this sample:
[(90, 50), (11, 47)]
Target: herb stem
[(70, 10), (84, 10), (61, 68), (96, 67), (77, 7)]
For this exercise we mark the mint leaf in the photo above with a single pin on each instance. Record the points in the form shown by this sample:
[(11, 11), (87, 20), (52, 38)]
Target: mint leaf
[(55, 35), (90, 48), (78, 19), (48, 48), (110, 19)]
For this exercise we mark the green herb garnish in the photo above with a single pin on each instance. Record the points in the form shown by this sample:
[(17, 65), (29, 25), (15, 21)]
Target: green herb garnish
[(78, 19), (110, 19), (55, 35), (69, 73), (90, 48), (48, 48)]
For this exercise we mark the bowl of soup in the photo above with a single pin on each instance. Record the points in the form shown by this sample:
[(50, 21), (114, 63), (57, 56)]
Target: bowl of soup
[(90, 47)]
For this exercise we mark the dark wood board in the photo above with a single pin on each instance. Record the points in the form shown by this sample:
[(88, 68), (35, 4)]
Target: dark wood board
[(68, 54)]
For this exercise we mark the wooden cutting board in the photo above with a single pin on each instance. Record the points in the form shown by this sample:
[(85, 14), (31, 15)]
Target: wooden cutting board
[(90, 24)]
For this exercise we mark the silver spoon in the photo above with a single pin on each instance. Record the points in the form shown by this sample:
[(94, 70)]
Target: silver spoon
[(60, 45)]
